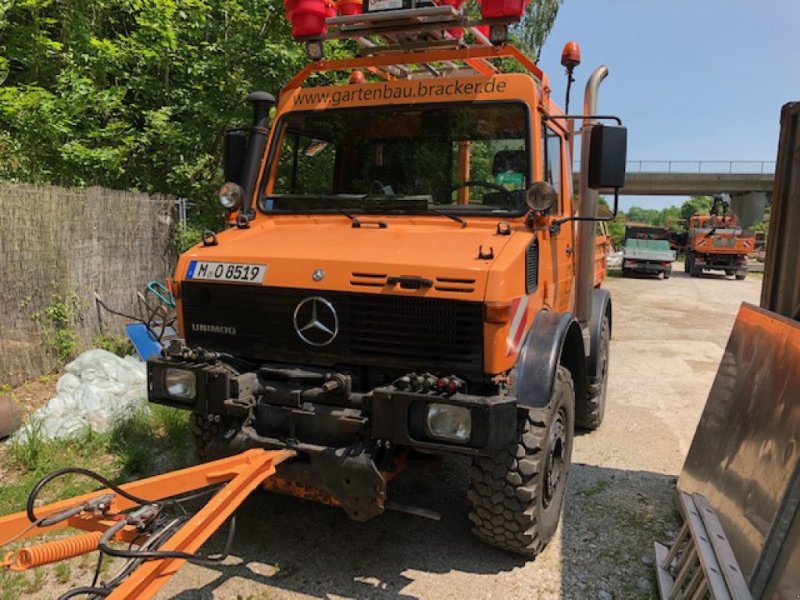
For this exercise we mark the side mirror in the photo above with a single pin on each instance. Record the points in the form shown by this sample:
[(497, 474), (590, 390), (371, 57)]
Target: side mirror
[(234, 153), (541, 196), (608, 149)]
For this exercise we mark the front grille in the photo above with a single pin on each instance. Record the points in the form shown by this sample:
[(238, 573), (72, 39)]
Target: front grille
[(374, 329)]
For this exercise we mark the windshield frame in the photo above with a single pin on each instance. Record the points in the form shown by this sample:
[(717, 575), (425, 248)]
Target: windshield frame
[(270, 169)]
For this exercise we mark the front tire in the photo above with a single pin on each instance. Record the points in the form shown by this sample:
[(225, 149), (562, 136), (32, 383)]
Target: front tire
[(516, 495), (589, 414)]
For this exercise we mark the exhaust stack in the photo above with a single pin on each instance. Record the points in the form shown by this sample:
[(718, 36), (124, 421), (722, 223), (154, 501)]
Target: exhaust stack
[(587, 208), (262, 103)]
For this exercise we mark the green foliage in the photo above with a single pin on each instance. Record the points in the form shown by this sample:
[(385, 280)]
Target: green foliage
[(151, 440), (539, 19), (116, 344), (700, 205), (57, 323), (184, 238), (134, 95), (616, 229), (63, 572), (762, 227)]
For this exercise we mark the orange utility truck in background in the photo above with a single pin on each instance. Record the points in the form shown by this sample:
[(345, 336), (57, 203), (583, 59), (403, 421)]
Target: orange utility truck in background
[(716, 242), (405, 272)]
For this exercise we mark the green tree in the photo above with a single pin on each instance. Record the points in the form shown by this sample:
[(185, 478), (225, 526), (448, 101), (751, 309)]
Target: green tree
[(133, 94), (700, 205), (540, 16), (644, 216)]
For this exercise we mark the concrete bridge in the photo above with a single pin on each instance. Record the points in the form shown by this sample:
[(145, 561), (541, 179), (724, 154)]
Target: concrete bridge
[(748, 182)]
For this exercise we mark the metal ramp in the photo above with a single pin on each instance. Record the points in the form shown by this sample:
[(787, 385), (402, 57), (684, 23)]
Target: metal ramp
[(700, 564)]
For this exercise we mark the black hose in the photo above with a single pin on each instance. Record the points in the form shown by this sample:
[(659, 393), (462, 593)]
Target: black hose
[(161, 554), (97, 591), (77, 471)]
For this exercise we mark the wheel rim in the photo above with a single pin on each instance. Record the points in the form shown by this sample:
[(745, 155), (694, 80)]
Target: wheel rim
[(557, 448)]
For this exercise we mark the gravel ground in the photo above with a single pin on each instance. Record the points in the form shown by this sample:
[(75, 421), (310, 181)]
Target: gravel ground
[(667, 341)]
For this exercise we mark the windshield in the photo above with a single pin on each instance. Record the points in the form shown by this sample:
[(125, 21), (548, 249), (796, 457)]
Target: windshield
[(467, 159)]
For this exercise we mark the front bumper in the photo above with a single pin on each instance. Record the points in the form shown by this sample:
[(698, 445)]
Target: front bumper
[(644, 266), (321, 410)]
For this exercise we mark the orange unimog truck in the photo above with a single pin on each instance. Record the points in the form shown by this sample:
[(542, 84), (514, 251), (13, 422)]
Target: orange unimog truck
[(405, 272), (716, 242)]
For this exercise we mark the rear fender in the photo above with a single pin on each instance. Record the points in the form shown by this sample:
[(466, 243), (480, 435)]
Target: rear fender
[(554, 339)]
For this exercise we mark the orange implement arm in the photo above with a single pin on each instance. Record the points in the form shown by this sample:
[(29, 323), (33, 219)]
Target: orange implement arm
[(243, 473)]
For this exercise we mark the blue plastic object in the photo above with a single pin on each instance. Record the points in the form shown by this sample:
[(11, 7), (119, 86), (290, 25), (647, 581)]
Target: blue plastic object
[(146, 344)]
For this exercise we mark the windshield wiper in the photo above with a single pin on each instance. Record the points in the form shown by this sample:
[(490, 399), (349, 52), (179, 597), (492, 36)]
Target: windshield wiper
[(455, 218), (356, 222)]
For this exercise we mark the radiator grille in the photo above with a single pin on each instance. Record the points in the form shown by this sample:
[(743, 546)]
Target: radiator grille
[(374, 329)]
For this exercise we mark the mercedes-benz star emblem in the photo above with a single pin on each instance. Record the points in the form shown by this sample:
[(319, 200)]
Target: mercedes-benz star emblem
[(316, 321)]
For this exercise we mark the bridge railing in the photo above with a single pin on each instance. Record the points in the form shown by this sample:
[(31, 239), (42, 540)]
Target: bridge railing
[(725, 167)]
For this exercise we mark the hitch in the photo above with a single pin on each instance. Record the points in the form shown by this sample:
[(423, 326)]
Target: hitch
[(163, 545)]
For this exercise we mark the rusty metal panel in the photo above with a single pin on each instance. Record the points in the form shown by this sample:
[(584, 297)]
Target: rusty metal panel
[(746, 451), (781, 290)]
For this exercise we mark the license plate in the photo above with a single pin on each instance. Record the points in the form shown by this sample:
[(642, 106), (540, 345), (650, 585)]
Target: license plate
[(377, 5), (222, 271)]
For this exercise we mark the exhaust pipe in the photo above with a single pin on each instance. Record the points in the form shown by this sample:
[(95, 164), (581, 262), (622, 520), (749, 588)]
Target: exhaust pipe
[(587, 208), (262, 103)]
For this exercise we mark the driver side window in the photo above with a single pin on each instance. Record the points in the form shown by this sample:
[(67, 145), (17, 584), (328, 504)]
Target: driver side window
[(552, 162)]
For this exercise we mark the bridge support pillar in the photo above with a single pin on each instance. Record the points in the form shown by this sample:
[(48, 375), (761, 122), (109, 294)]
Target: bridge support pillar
[(749, 207)]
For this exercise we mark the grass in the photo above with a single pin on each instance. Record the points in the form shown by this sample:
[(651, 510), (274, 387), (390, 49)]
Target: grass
[(151, 440)]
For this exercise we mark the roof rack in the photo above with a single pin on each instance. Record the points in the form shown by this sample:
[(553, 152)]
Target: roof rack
[(396, 34)]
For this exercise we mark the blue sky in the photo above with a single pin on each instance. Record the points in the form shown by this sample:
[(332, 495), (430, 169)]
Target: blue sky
[(691, 79)]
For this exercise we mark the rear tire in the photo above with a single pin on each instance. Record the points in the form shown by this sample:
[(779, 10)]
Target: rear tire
[(666, 275), (516, 494), (589, 414), (625, 272), (740, 276)]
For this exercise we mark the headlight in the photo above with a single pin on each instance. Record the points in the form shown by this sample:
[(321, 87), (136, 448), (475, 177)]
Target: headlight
[(448, 422), (180, 384), (230, 195)]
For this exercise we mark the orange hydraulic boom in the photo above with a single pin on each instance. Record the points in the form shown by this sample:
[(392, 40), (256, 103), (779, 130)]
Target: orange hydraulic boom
[(162, 548)]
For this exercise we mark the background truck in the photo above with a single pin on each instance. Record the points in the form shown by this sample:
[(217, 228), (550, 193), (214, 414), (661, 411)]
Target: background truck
[(716, 242), (388, 288), (646, 250)]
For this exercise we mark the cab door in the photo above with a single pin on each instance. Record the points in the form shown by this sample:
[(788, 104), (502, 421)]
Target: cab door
[(562, 245)]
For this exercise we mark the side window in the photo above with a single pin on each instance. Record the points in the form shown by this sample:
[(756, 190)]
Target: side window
[(552, 162), (306, 165)]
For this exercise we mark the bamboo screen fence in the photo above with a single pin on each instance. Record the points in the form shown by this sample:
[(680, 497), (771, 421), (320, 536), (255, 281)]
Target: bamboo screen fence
[(57, 248)]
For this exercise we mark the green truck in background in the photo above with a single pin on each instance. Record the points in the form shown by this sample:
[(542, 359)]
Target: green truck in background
[(647, 252)]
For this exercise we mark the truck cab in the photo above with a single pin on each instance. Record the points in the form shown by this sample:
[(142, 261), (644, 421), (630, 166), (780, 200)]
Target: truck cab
[(717, 242), (403, 272)]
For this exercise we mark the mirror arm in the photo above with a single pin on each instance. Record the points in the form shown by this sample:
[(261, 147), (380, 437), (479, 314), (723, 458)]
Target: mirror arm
[(584, 117), (555, 226)]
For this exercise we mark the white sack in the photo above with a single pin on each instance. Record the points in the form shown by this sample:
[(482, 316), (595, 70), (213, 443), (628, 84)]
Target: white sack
[(97, 390)]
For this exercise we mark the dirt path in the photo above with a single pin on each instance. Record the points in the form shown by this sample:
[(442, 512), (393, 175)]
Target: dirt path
[(667, 341)]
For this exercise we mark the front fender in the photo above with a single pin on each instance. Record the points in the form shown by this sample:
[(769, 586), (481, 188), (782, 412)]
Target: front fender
[(554, 339)]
